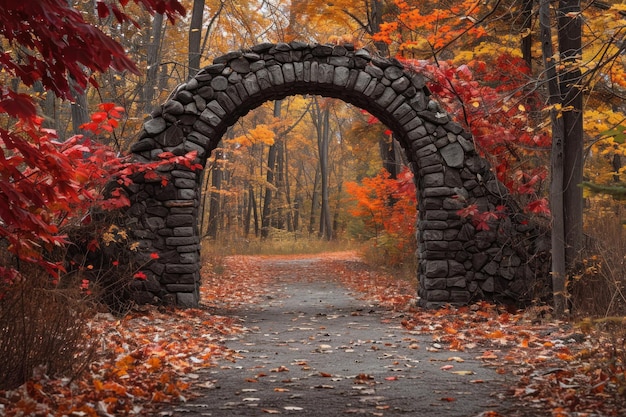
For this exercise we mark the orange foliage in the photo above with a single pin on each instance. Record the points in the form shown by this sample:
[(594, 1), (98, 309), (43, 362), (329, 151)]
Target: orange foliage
[(388, 209), (433, 27)]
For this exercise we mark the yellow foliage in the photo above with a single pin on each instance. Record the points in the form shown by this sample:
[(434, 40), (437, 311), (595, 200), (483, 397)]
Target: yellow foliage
[(600, 119), (259, 134)]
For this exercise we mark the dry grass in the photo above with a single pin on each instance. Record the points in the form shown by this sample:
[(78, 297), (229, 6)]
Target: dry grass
[(598, 288), (42, 331), (280, 243)]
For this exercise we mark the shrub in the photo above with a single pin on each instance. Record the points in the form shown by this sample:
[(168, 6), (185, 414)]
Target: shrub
[(43, 330), (388, 209), (597, 288)]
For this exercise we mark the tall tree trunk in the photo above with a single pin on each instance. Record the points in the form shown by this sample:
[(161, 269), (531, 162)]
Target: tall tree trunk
[(314, 201), (195, 37), (271, 168), (215, 197), (323, 143), (556, 184), (339, 181), (278, 213), (388, 152), (79, 108), (570, 48), (248, 216), (527, 39), (387, 146), (287, 192), (153, 59), (48, 108), (298, 199)]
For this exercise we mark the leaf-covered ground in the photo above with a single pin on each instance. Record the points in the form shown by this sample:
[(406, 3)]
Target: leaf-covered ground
[(152, 357)]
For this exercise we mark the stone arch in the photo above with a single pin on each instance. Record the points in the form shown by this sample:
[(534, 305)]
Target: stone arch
[(457, 263)]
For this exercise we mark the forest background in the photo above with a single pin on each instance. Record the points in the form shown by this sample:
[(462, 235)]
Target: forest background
[(539, 84)]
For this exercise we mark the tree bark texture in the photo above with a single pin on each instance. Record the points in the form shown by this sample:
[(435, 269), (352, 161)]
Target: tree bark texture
[(570, 48), (556, 166)]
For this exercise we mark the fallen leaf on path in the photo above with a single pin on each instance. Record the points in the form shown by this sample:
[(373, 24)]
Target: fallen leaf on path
[(463, 372)]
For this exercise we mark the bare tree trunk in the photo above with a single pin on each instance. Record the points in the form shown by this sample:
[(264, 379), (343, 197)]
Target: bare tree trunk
[(527, 39), (48, 108), (153, 59), (387, 145), (271, 168), (215, 197), (314, 202), (570, 48), (556, 184), (323, 143), (79, 108), (278, 212), (286, 187), (195, 37), (298, 199)]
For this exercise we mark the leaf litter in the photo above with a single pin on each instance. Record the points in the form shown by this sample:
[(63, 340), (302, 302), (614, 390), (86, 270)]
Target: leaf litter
[(155, 356), (563, 368)]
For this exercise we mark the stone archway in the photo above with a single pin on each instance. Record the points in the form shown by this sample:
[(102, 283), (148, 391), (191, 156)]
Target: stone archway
[(457, 263)]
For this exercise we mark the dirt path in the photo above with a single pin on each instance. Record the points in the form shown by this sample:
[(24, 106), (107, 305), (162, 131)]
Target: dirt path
[(314, 349)]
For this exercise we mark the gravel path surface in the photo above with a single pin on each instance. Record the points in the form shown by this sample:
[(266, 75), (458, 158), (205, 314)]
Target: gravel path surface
[(315, 349)]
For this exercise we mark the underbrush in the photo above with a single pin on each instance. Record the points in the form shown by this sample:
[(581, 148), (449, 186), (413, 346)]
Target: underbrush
[(43, 330), (597, 291), (44, 319), (279, 243), (384, 253), (598, 287), (390, 253)]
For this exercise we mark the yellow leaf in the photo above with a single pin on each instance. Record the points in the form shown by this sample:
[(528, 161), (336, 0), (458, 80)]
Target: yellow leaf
[(463, 372)]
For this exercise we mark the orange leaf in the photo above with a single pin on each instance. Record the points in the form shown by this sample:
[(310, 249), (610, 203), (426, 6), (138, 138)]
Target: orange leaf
[(97, 385), (154, 363), (496, 334), (159, 396), (488, 355), (450, 330), (115, 387)]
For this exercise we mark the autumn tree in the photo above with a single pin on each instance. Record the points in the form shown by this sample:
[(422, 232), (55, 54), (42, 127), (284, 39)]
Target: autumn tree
[(53, 46)]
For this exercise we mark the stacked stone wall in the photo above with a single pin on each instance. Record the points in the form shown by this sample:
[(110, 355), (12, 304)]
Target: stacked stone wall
[(457, 263)]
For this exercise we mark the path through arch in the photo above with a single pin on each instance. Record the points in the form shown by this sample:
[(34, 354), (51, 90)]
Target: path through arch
[(457, 263)]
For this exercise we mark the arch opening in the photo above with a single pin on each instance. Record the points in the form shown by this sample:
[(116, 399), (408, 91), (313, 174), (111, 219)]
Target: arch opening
[(457, 262)]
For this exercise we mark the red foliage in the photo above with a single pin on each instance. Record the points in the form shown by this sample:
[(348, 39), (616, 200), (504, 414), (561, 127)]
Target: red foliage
[(490, 100), (64, 47), (43, 182)]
